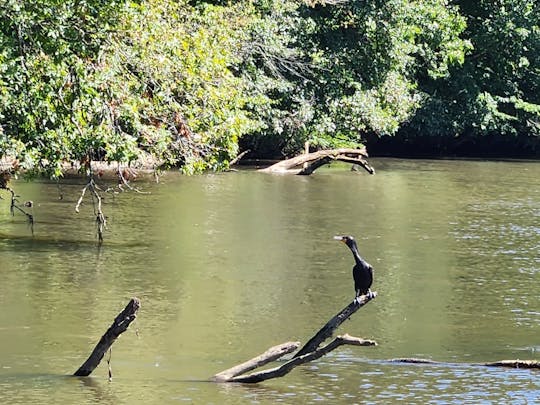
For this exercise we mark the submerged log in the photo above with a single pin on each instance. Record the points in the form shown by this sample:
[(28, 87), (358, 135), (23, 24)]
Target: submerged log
[(119, 326), (307, 163), (501, 363), (514, 364), (309, 352)]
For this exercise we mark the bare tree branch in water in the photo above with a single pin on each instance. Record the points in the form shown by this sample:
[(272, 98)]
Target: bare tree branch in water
[(284, 369), (5, 177), (119, 326), (101, 221), (311, 351)]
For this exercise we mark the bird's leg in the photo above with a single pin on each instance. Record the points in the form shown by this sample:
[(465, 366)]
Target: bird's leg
[(369, 294), (358, 294)]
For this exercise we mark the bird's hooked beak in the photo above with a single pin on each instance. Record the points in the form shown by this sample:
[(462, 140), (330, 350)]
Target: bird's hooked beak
[(340, 238)]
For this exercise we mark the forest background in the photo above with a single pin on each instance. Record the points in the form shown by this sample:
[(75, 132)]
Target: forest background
[(190, 84)]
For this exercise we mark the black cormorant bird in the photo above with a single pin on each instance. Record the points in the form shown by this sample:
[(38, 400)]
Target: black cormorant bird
[(362, 270)]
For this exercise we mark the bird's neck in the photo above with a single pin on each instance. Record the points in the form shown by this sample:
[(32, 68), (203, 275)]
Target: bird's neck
[(356, 254)]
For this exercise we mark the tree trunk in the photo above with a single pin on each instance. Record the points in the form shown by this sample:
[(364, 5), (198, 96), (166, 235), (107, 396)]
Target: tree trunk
[(308, 162)]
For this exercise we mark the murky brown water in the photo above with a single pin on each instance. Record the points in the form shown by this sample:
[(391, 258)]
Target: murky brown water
[(228, 265)]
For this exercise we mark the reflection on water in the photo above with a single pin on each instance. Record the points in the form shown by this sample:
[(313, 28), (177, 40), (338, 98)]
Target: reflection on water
[(228, 265)]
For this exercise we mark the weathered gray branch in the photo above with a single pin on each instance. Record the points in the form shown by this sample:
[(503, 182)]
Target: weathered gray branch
[(308, 162), (309, 352), (271, 354), (328, 329), (296, 361), (119, 326)]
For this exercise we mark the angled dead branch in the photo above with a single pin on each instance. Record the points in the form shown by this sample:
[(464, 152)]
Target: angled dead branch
[(328, 329), (119, 326), (309, 352), (271, 354), (306, 358)]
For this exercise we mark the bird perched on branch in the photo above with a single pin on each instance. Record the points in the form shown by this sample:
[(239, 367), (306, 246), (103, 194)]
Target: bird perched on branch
[(362, 270)]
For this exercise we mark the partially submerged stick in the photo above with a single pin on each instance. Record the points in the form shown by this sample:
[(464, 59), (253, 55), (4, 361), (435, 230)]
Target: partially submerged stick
[(514, 364), (119, 326), (296, 361), (271, 354), (501, 363), (309, 352)]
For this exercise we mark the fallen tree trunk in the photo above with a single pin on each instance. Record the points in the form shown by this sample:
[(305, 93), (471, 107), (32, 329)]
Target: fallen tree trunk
[(309, 352), (307, 163), (501, 363), (119, 326), (514, 364)]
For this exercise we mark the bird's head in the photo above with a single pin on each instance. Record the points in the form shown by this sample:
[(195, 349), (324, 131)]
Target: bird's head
[(348, 240)]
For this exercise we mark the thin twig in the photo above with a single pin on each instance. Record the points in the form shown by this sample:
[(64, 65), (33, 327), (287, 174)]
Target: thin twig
[(79, 201), (101, 220)]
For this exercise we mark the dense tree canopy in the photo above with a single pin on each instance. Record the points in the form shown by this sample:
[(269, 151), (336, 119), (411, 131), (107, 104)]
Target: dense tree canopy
[(184, 82), (493, 96)]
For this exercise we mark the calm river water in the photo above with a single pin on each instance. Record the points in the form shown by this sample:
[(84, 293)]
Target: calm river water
[(228, 265)]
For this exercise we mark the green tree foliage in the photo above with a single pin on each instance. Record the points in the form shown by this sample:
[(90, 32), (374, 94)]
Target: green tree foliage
[(495, 93), (81, 80), (355, 66), (47, 53), (183, 82)]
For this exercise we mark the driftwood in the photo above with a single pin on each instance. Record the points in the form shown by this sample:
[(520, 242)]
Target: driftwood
[(119, 326), (501, 363), (309, 352), (271, 354), (328, 329), (296, 361), (514, 364), (308, 162)]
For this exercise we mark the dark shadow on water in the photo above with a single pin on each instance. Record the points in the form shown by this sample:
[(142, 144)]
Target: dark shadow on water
[(33, 242)]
